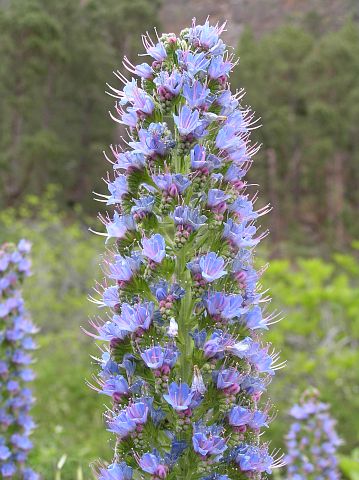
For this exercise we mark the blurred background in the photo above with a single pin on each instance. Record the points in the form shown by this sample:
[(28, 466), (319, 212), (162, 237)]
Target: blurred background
[(299, 61)]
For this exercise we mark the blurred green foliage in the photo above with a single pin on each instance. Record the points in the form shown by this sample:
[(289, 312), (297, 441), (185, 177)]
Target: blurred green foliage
[(318, 336), (350, 465)]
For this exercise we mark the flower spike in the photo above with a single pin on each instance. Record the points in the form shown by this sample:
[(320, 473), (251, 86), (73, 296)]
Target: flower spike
[(184, 362)]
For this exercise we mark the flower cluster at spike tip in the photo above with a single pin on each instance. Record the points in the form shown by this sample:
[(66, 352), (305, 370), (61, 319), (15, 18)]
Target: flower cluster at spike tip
[(182, 354), (16, 345), (312, 441)]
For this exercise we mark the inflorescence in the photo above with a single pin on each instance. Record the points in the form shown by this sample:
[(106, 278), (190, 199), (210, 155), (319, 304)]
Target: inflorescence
[(312, 441), (183, 358), (16, 345)]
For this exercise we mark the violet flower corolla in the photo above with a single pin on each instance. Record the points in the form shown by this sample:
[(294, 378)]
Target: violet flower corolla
[(312, 441), (182, 355), (16, 346)]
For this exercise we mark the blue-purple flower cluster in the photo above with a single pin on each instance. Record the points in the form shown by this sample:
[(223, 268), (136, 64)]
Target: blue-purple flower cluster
[(16, 345), (312, 441), (183, 358)]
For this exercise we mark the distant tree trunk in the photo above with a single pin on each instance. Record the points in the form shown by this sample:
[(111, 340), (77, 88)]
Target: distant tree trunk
[(48, 91), (81, 174), (335, 197), (294, 181), (11, 185), (273, 189)]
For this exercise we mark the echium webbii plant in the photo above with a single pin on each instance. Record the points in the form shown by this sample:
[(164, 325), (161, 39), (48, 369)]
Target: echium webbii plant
[(184, 361), (312, 441), (16, 346)]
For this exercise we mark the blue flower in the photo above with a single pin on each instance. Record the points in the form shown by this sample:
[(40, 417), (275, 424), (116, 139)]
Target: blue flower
[(226, 138), (116, 471), (158, 357), (138, 412), (136, 318), (187, 121), (199, 337), (258, 420), (238, 120), (115, 386), (219, 68), (22, 442), (234, 175), (119, 226), (164, 291), (197, 95), (129, 161), (143, 70), (153, 357), (143, 206), (228, 379), (217, 344), (156, 51), (5, 453), (239, 416), (188, 217), (216, 200), (254, 319), (208, 444), (107, 331), (8, 469), (123, 268), (172, 184), (240, 235), (142, 103), (154, 248), (211, 267), (153, 464), (192, 63), (30, 474), (110, 297), (207, 37), (168, 84), (207, 440), (179, 396), (118, 189), (221, 306), (253, 458), (153, 141), (243, 209), (121, 424)]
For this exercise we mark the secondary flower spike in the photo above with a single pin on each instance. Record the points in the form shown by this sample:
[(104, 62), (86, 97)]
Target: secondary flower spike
[(16, 345), (312, 441), (183, 358)]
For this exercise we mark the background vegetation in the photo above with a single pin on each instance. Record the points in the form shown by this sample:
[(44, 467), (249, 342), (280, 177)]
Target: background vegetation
[(303, 81)]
